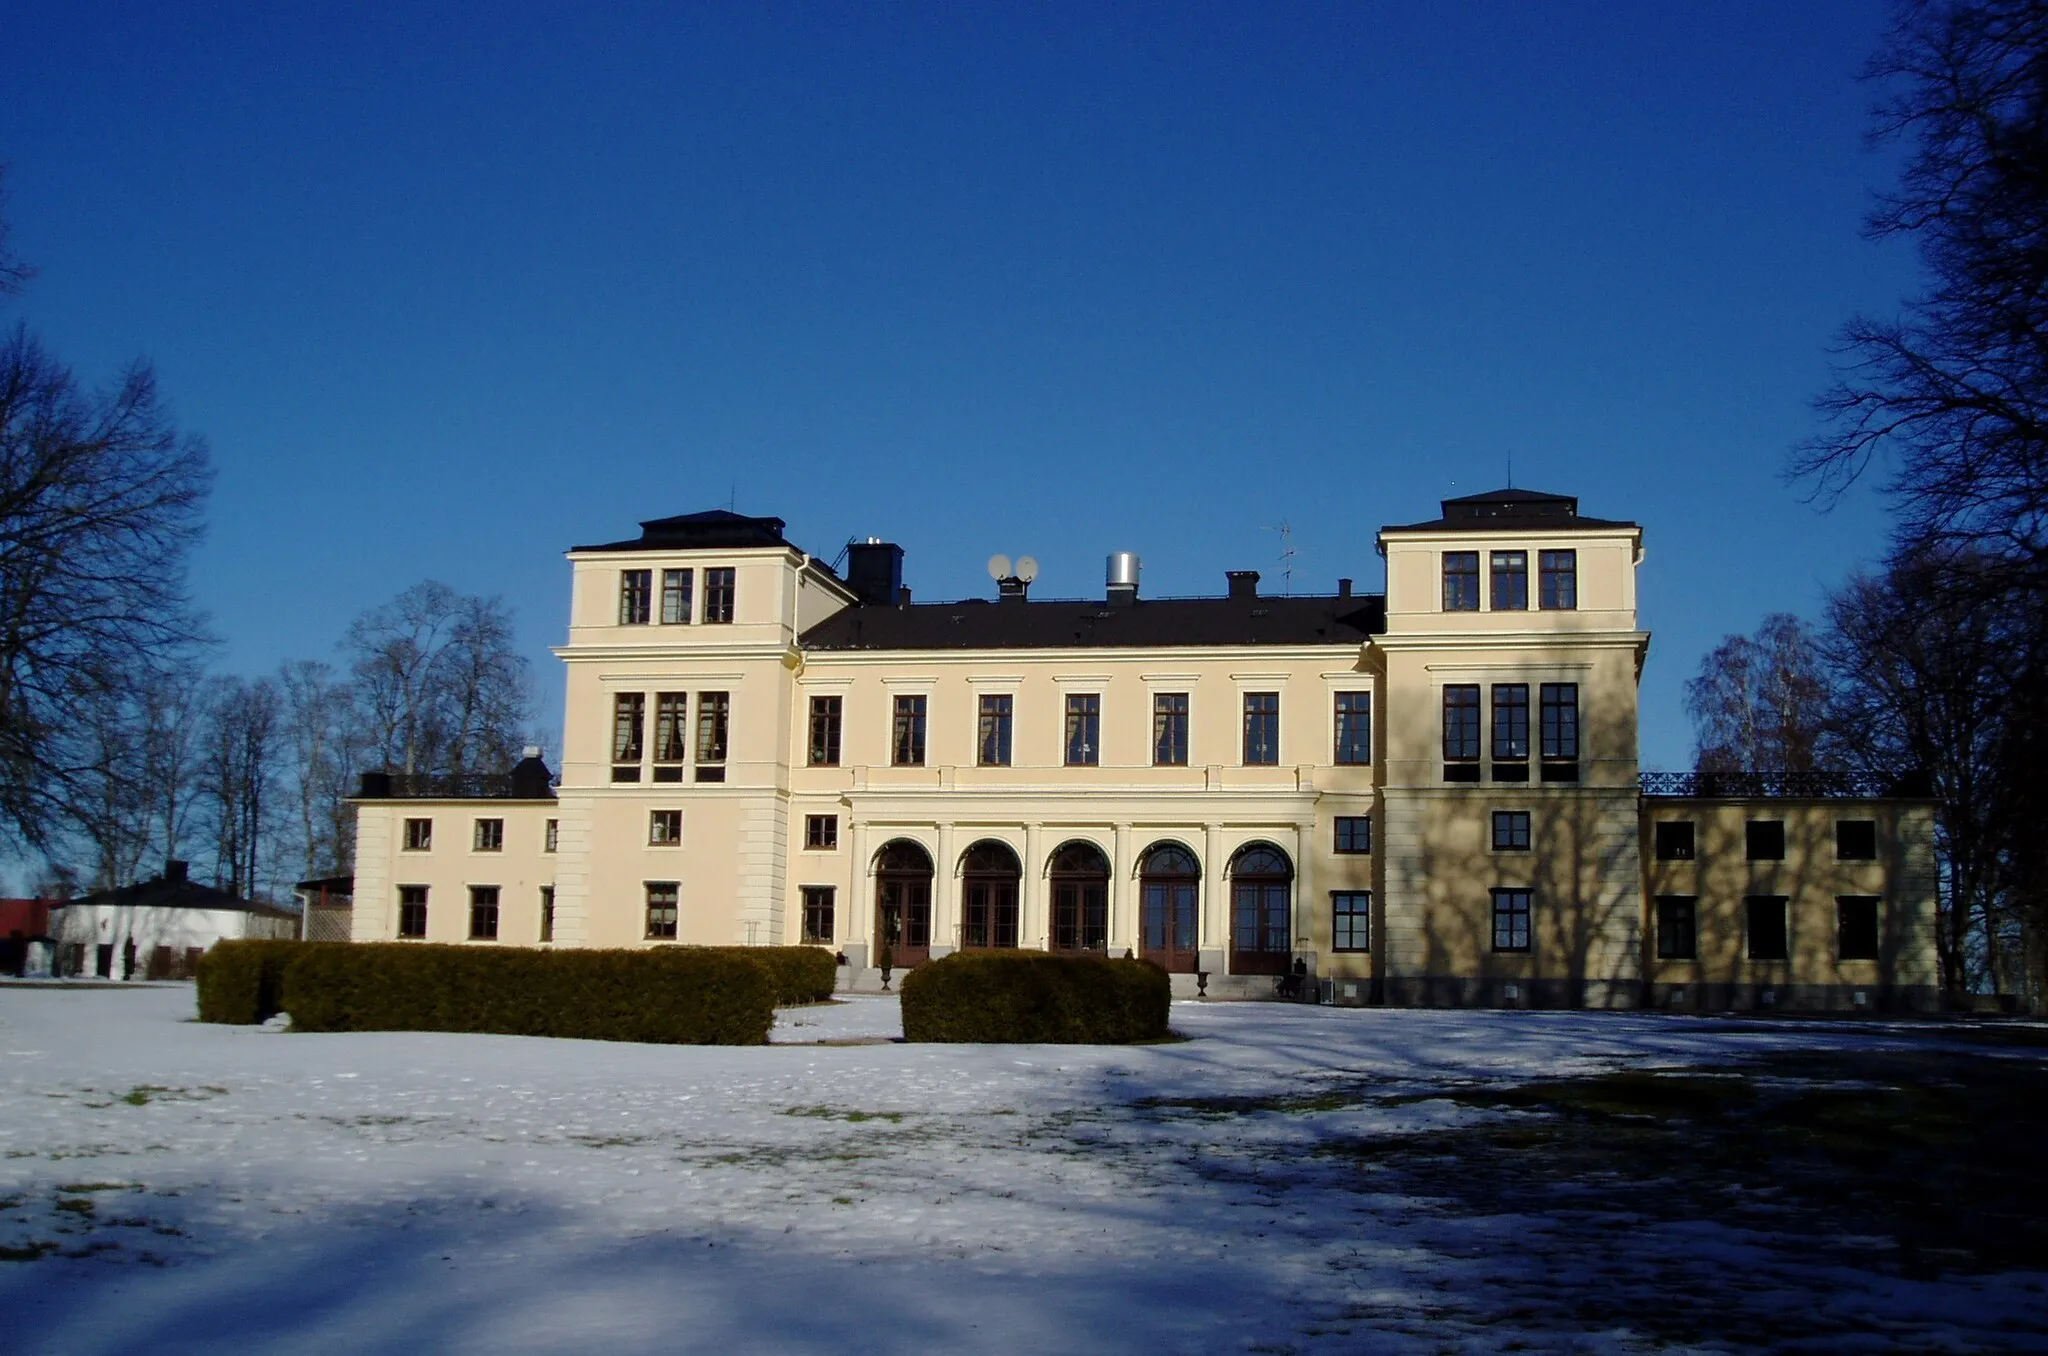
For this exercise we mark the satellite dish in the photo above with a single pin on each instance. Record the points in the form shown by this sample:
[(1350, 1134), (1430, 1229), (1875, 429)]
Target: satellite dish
[(999, 567), (1027, 568)]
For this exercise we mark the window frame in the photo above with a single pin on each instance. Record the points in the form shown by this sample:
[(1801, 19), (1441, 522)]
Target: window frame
[(1509, 567), (665, 828), (629, 735), (1083, 742), (1261, 729), (1353, 714), (551, 836), (636, 597), (1352, 835), (1557, 580), (1513, 904), (1782, 928), (419, 834), (1843, 847), (1461, 745), (1460, 585), (663, 929), (817, 900), (995, 712), (1509, 709), (483, 905), (1875, 923), (1170, 729), (1671, 852), (1559, 721), (671, 728), (1670, 908), (547, 913), (487, 834), (907, 714), (821, 833), (1757, 836), (678, 587), (1512, 820), (407, 903), (1350, 927), (828, 712), (714, 733), (721, 595)]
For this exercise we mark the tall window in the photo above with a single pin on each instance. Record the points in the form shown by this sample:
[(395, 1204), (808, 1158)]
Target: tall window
[(1511, 732), (1511, 920), (665, 828), (821, 831), (675, 597), (1677, 927), (825, 713), (661, 909), (1084, 729), (1559, 582), (1510, 581), (1765, 839), (1353, 920), (629, 712), (483, 913), (1461, 732), (419, 835), (636, 590), (1856, 927), (547, 913), (412, 910), (1170, 729), (1354, 727), (1560, 732), (551, 837), (818, 915), (1766, 918), (1262, 729), (714, 714), (488, 836), (1461, 581), (1354, 833), (671, 728), (906, 743), (718, 594), (1510, 830), (993, 746)]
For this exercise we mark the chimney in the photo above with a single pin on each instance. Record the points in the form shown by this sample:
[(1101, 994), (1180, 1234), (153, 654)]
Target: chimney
[(903, 597), (1011, 589), (174, 872), (1343, 588), (874, 571), (1243, 583), (530, 777), (1120, 577)]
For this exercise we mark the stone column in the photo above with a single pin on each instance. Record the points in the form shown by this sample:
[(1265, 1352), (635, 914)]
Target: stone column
[(1123, 895), (1214, 940), (857, 929), (945, 895), (1032, 928)]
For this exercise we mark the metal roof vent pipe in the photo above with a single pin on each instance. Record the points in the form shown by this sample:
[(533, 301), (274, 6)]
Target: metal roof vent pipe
[(1120, 574)]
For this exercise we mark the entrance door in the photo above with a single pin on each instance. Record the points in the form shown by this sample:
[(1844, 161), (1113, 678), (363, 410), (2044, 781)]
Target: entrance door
[(1080, 899), (989, 881), (903, 905), (1261, 879), (1169, 889)]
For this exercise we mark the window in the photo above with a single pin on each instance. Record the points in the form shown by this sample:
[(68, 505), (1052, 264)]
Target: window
[(671, 734), (1354, 833), (1558, 581), (714, 710), (1510, 830), (629, 710), (906, 745), (1856, 927), (489, 836), (1170, 729), (1560, 732), (1674, 840), (636, 589), (1461, 581), (818, 915), (665, 828), (1262, 729), (1677, 927), (661, 910), (419, 835), (1855, 840), (1511, 920), (718, 595), (1766, 917), (1461, 732), (412, 910), (1354, 727), (993, 749), (1084, 729), (547, 913), (483, 913), (821, 831), (1511, 732), (825, 714), (1510, 581), (675, 597), (551, 836), (1352, 930), (1766, 840)]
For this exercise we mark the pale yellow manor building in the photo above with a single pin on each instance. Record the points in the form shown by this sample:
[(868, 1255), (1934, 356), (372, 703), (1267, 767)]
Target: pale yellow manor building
[(1427, 797)]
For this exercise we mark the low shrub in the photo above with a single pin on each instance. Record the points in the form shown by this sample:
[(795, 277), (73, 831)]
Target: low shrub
[(669, 995), (1032, 997), (242, 982), (801, 974)]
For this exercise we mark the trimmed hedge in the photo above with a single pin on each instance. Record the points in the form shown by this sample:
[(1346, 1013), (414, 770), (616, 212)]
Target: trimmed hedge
[(242, 982), (670, 995), (801, 974), (1017, 997)]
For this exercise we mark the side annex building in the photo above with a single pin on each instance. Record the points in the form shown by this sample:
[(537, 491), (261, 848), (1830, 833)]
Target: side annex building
[(1427, 797)]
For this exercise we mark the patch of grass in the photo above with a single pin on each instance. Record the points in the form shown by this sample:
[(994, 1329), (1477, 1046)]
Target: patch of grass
[(27, 1252), (609, 1141), (842, 1200), (826, 1113), (86, 1188), (78, 1205), (1297, 1104)]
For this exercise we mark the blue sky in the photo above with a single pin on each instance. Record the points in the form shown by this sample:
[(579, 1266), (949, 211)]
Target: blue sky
[(451, 288)]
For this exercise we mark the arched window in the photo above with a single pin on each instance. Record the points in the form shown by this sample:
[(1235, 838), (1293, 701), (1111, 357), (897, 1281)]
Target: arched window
[(1261, 936), (1169, 889), (1080, 898), (989, 877), (903, 904)]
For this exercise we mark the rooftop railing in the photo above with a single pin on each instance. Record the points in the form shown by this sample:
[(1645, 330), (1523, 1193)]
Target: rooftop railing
[(1746, 786), (455, 786)]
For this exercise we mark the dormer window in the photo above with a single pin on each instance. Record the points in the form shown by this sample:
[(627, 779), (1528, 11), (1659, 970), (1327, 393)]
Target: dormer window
[(1461, 581), (1510, 581), (1559, 581)]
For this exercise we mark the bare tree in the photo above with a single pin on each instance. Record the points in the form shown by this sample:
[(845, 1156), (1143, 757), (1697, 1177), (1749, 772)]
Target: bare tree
[(438, 683), (321, 754), (14, 274), (1759, 706), (239, 773)]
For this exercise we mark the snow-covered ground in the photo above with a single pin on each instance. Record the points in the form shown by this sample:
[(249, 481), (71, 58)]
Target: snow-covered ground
[(169, 1186)]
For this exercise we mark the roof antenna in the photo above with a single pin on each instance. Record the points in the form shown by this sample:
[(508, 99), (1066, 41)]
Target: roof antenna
[(732, 496), (1286, 531), (1511, 470)]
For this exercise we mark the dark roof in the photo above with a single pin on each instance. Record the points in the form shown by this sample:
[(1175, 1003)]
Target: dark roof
[(178, 893), (713, 529), (977, 624), (1520, 510)]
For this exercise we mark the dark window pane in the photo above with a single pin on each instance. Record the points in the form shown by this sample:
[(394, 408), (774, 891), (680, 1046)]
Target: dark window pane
[(718, 595), (1170, 729), (1674, 840), (671, 724), (1352, 929), (818, 922), (1766, 840), (1561, 720), (1461, 581), (906, 745), (1262, 729), (994, 744), (1511, 920), (1354, 833), (483, 913), (675, 596), (412, 910), (1560, 582), (1766, 916), (825, 715), (1856, 927), (1461, 723), (661, 911), (1510, 830), (1354, 727), (714, 710), (1510, 581), (1856, 840), (1511, 722), (1677, 937), (629, 711), (636, 590)]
